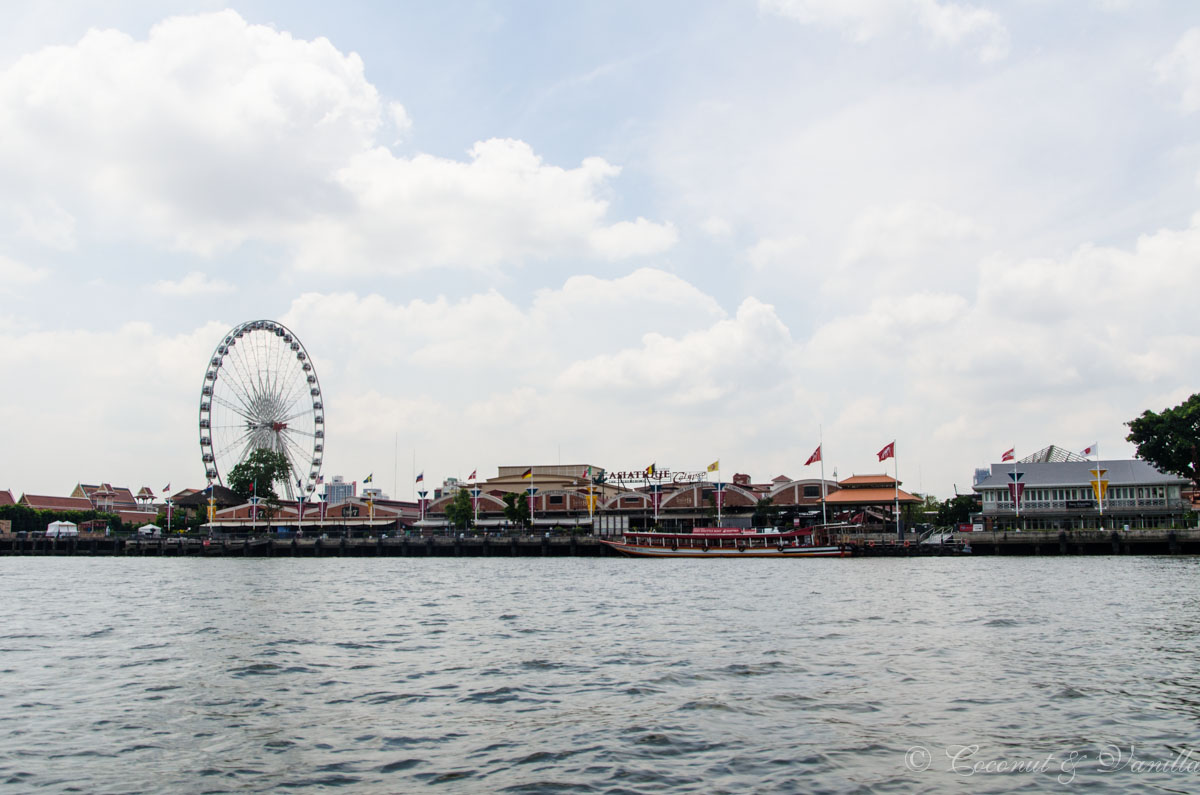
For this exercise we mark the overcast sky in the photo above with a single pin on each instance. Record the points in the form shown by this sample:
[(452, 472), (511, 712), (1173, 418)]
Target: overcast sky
[(608, 232)]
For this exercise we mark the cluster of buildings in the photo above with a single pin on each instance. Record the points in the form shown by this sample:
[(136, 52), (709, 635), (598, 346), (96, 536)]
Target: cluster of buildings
[(1052, 489), (133, 509)]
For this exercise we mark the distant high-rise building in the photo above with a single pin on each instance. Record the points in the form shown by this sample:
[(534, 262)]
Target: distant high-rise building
[(338, 490)]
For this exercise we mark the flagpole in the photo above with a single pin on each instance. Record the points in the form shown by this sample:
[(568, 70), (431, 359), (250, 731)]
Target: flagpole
[(1016, 488), (720, 492), (896, 461), (821, 446)]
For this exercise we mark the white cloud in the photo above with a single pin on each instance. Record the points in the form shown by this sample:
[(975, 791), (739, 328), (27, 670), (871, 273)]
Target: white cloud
[(946, 22), (1181, 68), (714, 226), (733, 354), (776, 251), (648, 366), (13, 273), (213, 132), (400, 120), (193, 284)]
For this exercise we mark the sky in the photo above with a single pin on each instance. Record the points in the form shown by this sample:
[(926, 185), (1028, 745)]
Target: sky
[(618, 233)]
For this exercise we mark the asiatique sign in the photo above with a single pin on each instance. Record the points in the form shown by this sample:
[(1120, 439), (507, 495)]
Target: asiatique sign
[(657, 476)]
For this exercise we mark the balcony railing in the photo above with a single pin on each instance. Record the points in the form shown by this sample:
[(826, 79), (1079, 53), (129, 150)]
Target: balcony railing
[(1159, 505)]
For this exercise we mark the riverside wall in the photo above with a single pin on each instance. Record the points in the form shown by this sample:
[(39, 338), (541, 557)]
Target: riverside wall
[(1135, 542)]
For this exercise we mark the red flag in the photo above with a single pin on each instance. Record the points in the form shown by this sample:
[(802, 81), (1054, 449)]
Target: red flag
[(888, 451), (815, 457), (1009, 454), (473, 471)]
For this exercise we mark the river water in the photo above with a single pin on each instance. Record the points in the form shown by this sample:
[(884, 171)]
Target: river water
[(599, 675)]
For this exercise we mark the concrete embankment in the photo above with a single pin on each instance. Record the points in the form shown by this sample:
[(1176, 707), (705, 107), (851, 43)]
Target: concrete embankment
[(430, 546), (1091, 542), (1042, 542)]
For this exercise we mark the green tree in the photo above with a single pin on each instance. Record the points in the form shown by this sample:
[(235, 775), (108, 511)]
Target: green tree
[(516, 508), (765, 513), (956, 510), (460, 511), (1170, 440), (262, 469)]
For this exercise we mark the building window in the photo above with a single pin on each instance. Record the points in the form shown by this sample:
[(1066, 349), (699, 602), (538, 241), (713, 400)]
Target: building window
[(556, 499), (812, 491)]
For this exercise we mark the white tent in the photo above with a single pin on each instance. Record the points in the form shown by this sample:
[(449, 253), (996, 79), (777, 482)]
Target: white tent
[(150, 530), (61, 529)]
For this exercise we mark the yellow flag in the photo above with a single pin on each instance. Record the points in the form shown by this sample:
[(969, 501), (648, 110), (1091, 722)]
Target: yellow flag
[(714, 466)]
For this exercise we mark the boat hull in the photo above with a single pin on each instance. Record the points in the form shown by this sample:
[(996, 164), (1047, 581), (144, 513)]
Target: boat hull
[(645, 551)]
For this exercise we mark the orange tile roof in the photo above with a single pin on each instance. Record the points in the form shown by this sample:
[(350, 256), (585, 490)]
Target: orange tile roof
[(862, 496), (867, 480)]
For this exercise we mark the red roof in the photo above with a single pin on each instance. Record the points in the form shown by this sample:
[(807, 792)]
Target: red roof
[(121, 495), (41, 502), (6, 498)]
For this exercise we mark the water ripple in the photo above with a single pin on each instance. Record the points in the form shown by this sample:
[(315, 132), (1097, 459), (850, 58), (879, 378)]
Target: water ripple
[(577, 676)]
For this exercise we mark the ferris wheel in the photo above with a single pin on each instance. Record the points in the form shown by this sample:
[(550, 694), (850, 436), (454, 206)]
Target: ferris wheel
[(261, 391)]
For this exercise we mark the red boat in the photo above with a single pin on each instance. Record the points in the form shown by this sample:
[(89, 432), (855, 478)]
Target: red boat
[(727, 542)]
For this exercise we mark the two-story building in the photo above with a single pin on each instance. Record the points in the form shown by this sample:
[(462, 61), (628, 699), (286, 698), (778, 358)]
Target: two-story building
[(1080, 494)]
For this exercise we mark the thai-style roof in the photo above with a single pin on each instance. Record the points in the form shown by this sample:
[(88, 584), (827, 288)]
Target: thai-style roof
[(42, 502), (867, 481), (865, 495), (222, 496), (6, 498)]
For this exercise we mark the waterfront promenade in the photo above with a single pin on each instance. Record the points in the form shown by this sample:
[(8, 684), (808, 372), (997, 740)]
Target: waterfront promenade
[(1106, 542)]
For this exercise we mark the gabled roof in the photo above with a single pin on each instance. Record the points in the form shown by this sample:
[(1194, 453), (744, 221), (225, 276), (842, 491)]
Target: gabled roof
[(6, 498), (42, 502), (1074, 473), (867, 481), (118, 494), (869, 496), (222, 496)]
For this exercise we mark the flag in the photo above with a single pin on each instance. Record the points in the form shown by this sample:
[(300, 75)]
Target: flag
[(1090, 449), (650, 470), (371, 477), (420, 477), (527, 474), (714, 466), (815, 457), (473, 471), (320, 479), (888, 451), (1009, 454), (167, 487)]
